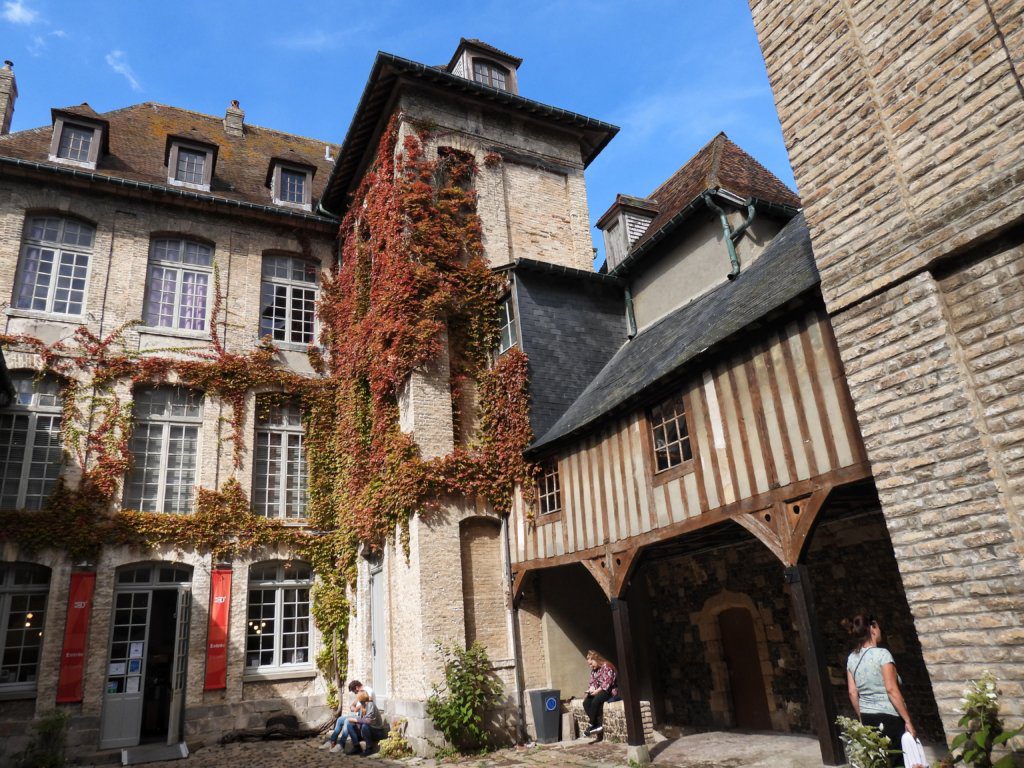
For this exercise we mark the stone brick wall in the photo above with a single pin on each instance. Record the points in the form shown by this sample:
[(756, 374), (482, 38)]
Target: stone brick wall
[(904, 125), (939, 484), (533, 201), (904, 121), (852, 567)]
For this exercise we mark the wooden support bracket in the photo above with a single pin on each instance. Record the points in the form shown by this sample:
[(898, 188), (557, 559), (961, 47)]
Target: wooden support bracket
[(599, 569)]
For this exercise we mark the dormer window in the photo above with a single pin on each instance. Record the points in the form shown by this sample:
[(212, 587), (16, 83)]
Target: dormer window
[(624, 224), (190, 165), (291, 185), (76, 141), (489, 73)]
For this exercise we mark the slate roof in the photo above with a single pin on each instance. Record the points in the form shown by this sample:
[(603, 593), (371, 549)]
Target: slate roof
[(783, 271), (719, 164), (137, 140), (572, 322)]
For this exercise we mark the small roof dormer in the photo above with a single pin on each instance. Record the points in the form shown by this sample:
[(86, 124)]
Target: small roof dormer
[(80, 136), (623, 224), (476, 60)]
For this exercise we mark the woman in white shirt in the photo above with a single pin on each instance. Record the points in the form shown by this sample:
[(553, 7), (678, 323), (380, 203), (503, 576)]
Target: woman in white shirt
[(873, 684)]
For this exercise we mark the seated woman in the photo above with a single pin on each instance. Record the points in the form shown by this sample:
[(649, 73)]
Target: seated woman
[(367, 727), (603, 678), (344, 716)]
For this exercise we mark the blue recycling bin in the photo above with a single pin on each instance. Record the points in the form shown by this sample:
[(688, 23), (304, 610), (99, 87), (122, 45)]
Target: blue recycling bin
[(547, 715)]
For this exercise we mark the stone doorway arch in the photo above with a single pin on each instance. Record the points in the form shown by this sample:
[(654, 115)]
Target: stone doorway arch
[(709, 627)]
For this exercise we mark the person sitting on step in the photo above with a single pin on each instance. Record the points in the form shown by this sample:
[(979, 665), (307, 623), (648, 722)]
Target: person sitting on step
[(603, 686), (368, 727), (354, 688)]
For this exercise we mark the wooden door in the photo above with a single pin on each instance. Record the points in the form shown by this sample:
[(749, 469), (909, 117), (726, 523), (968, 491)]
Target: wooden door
[(179, 667), (746, 681), (122, 700)]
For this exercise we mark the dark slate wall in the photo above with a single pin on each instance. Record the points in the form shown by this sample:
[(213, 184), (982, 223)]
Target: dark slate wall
[(571, 326)]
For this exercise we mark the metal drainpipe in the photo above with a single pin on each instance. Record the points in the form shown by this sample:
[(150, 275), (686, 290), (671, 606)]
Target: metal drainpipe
[(731, 238), (516, 645), (630, 316)]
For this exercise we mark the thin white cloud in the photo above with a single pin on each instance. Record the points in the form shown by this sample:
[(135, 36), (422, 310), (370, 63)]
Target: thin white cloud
[(118, 61), (16, 12), (37, 43), (319, 40)]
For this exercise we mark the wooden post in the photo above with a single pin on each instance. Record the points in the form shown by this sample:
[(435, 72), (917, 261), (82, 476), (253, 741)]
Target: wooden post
[(823, 708), (629, 688)]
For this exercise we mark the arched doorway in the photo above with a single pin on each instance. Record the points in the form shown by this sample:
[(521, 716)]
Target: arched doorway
[(746, 682), (144, 693)]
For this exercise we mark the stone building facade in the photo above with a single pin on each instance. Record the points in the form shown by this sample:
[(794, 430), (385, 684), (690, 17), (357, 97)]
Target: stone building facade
[(904, 127), (101, 228), (452, 587)]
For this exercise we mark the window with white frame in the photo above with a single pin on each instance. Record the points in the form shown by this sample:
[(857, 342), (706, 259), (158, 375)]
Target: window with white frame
[(489, 73), (75, 143), (31, 453), (507, 321), (165, 449), (54, 265), (288, 299), (178, 284), (191, 166), (23, 590), (279, 463), (549, 490), (669, 433), (278, 628), (292, 186)]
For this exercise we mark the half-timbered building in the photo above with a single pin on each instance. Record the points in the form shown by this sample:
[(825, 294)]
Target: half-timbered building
[(705, 513)]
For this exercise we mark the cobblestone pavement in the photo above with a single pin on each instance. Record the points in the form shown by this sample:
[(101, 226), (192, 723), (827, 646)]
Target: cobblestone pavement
[(708, 750)]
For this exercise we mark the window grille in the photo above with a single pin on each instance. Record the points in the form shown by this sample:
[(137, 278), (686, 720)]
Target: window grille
[(31, 452), (75, 143), (191, 168), (491, 74), (278, 628), (549, 489), (23, 592), (669, 434), (288, 299), (54, 265), (178, 284), (165, 448), (279, 472), (507, 319)]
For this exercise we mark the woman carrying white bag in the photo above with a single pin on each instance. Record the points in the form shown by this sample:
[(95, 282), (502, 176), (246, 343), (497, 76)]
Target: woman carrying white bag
[(874, 689)]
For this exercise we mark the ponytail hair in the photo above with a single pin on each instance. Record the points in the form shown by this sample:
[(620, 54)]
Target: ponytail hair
[(858, 627)]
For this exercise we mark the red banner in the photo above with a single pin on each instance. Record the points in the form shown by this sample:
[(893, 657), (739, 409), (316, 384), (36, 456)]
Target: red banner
[(76, 631), (217, 632)]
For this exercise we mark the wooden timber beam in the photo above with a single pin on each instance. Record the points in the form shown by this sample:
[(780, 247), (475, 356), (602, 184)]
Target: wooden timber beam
[(734, 511), (598, 567), (623, 565), (518, 584)]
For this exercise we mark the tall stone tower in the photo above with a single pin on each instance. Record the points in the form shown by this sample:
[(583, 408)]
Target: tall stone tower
[(452, 587), (905, 127)]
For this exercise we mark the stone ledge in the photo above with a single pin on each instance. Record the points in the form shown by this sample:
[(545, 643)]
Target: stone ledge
[(614, 718)]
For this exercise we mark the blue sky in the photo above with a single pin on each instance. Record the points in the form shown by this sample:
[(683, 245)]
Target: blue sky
[(670, 73)]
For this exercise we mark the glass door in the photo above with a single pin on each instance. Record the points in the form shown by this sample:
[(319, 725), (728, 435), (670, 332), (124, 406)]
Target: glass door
[(122, 705), (180, 665)]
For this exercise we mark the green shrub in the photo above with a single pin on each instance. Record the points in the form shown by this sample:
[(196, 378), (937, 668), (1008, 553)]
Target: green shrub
[(865, 746), (983, 728), (458, 706), (46, 750), (394, 746)]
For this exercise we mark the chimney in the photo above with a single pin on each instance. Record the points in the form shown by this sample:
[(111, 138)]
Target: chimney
[(234, 120), (8, 95)]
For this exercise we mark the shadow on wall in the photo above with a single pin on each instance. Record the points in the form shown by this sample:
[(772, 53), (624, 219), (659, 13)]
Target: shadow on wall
[(576, 618)]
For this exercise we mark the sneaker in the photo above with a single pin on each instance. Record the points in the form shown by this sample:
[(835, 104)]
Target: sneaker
[(337, 748), (586, 731), (595, 729), (326, 745)]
